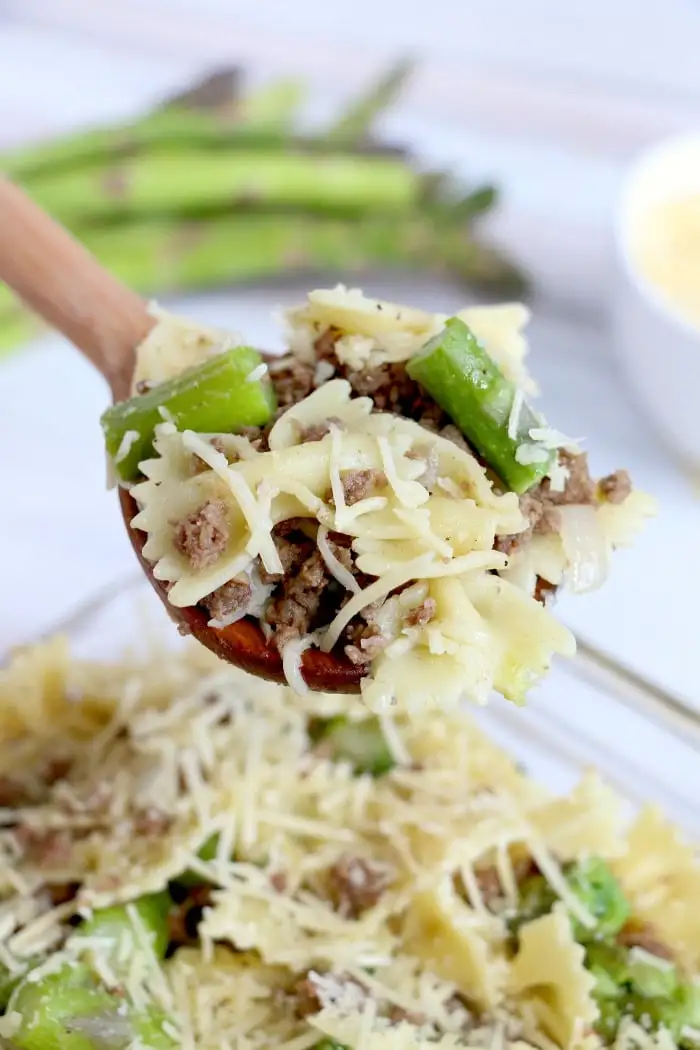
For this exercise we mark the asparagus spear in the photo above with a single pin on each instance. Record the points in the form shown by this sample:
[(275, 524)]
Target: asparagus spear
[(165, 257), (217, 396), (459, 374), (362, 743), (266, 113), (353, 125), (188, 181)]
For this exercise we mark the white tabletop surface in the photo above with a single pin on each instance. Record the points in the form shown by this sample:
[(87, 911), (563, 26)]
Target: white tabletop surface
[(61, 538)]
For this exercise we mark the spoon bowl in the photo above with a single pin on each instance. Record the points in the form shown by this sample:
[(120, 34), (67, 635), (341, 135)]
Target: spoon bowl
[(243, 643)]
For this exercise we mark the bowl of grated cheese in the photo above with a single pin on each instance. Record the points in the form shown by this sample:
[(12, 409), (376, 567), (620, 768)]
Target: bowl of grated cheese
[(193, 857)]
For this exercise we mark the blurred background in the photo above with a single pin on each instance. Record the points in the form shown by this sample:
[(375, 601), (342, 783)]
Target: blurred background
[(224, 156)]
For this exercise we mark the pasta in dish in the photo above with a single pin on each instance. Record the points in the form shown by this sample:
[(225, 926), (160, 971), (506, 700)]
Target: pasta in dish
[(390, 496), (191, 857)]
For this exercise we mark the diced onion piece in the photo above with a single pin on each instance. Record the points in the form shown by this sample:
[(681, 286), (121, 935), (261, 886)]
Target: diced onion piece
[(585, 548)]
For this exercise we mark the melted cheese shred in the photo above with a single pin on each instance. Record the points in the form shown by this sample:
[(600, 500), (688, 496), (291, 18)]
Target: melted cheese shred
[(202, 749)]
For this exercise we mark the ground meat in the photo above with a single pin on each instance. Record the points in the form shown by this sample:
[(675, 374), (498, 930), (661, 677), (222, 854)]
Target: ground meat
[(489, 884), (540, 504), (306, 997), (356, 884), (292, 379), (397, 1014), (62, 892), (545, 592), (616, 487), (316, 990), (293, 611), (359, 484), (319, 430), (637, 934), (422, 614), (278, 881), (151, 822), (232, 597), (45, 847), (203, 535), (367, 641), (184, 919), (12, 793)]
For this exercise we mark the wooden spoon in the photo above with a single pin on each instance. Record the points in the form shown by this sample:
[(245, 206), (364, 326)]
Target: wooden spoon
[(64, 285)]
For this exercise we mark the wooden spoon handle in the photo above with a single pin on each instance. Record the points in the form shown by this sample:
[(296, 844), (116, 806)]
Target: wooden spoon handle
[(61, 282)]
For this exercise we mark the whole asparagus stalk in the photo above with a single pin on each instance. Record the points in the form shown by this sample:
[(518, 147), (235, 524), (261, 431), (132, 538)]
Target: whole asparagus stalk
[(166, 257), (187, 181), (209, 113), (263, 115)]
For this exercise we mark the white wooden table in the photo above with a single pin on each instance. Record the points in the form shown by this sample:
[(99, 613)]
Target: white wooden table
[(553, 105)]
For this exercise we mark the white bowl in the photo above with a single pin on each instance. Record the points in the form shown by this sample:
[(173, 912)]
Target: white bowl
[(658, 347)]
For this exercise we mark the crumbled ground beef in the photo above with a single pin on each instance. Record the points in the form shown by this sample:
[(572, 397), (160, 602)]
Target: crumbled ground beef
[(293, 379), (616, 487), (45, 847), (202, 536), (319, 430), (357, 884), (637, 934), (232, 597), (540, 504), (422, 614), (294, 610), (545, 592), (151, 822), (12, 793), (315, 990), (359, 484), (397, 1014), (184, 919)]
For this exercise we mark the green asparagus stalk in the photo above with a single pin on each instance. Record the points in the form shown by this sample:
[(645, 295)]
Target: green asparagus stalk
[(486, 406), (362, 744), (265, 114), (163, 257), (220, 396), (188, 181), (354, 124)]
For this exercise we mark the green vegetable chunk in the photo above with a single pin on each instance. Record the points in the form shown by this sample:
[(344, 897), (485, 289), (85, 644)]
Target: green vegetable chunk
[(115, 926), (458, 373), (593, 884), (362, 744), (651, 978), (215, 397), (68, 1010), (601, 895), (10, 979), (329, 1044)]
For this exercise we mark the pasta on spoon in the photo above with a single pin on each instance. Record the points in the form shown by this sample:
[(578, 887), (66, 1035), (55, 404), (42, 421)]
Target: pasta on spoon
[(384, 492)]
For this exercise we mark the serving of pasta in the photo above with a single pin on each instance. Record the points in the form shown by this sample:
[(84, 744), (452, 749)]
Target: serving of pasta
[(383, 492), (192, 857)]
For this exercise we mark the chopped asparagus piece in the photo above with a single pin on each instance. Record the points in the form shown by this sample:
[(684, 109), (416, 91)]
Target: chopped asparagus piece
[(215, 397), (601, 895), (608, 964), (458, 373), (329, 1044), (362, 744), (10, 979), (68, 1010), (651, 978), (595, 886), (115, 925)]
